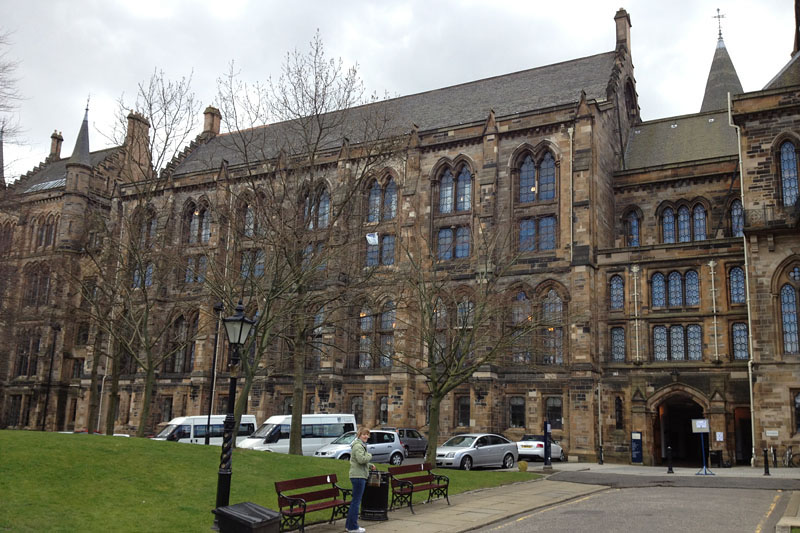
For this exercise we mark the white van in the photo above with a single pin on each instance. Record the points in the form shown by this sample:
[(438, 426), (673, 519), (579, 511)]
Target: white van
[(192, 429), (318, 430)]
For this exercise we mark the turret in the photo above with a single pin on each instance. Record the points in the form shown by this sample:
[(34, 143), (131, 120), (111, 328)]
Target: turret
[(76, 188)]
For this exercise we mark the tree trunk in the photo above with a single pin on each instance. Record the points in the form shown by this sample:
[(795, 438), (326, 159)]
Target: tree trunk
[(433, 429), (113, 397), (94, 392), (295, 435), (144, 419)]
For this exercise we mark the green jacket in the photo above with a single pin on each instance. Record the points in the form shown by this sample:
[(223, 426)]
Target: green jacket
[(359, 460)]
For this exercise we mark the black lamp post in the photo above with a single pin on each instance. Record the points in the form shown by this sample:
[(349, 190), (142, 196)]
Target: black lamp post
[(238, 328), (218, 307)]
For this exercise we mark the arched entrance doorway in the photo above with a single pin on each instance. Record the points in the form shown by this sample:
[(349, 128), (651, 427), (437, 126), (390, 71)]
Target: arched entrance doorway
[(672, 426)]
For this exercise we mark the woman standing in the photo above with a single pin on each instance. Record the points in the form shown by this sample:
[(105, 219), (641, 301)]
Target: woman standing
[(359, 472)]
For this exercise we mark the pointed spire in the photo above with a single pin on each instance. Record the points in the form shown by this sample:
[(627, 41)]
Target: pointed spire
[(80, 155), (2, 172), (722, 78)]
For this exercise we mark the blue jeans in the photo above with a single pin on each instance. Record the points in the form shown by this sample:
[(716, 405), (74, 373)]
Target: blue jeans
[(352, 514)]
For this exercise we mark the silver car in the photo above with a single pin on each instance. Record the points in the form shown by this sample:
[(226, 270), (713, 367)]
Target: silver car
[(531, 447), (477, 449), (385, 447)]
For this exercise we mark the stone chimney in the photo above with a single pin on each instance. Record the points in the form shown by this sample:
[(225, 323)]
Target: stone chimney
[(623, 21), (212, 120), (137, 146), (138, 127), (56, 140)]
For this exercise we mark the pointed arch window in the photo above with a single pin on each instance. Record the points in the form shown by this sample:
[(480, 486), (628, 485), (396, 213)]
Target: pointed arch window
[(699, 221), (617, 292), (464, 190), (658, 290), (692, 288), (387, 325), (675, 285), (365, 324), (739, 341), (390, 200), (527, 181), (374, 207), (535, 178), (668, 225), (317, 209), (521, 343), (553, 333), (684, 224), (736, 284), (789, 298), (446, 193), (618, 344), (737, 218), (547, 177), (789, 173), (632, 229)]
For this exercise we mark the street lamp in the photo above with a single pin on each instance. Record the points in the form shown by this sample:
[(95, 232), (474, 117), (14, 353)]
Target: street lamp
[(238, 328), (218, 308)]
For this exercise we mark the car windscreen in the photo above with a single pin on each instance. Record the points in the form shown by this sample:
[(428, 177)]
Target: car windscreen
[(164, 433), (347, 438), (459, 441), (532, 437), (264, 430)]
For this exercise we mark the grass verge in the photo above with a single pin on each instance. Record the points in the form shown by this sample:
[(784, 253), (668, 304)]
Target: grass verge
[(66, 482)]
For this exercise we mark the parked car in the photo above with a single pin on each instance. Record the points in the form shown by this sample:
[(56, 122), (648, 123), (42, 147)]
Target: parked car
[(471, 450), (384, 445), (412, 439), (531, 447)]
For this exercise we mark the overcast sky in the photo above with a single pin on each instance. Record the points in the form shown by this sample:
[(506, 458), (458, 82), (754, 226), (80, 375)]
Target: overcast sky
[(70, 49)]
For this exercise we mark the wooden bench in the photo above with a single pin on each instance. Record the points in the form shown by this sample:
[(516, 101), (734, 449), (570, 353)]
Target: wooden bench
[(406, 480), (295, 499)]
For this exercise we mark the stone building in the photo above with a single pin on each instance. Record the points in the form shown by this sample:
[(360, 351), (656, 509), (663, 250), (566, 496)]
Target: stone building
[(668, 251)]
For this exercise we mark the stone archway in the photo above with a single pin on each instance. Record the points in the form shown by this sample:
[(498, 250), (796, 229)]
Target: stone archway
[(672, 413)]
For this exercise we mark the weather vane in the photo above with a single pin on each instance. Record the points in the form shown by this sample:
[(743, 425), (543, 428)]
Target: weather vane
[(89, 96), (719, 18)]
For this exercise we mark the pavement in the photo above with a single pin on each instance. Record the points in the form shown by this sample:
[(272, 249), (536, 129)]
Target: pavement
[(566, 482)]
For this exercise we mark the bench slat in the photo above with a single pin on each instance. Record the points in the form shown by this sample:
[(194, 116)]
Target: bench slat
[(305, 482)]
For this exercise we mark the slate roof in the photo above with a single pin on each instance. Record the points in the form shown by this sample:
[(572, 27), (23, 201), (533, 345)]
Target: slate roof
[(722, 78), (788, 76), (49, 176), (509, 94), (680, 140)]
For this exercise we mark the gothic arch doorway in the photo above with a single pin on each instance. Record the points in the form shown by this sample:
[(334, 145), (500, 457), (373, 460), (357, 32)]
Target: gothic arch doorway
[(672, 426)]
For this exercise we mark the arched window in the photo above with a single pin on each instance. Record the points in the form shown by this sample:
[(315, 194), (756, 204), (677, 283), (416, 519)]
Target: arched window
[(694, 338), (739, 341), (317, 209), (668, 225), (789, 173), (390, 201), (553, 331), (632, 229), (660, 343), (527, 181), (446, 193), (736, 284), (677, 347), (684, 224), (192, 222), (675, 289), (521, 343), (699, 222), (365, 339), (789, 319), (147, 229), (547, 177), (737, 219), (516, 412), (387, 334), (464, 190), (249, 219), (324, 209), (658, 290), (692, 288), (618, 345), (374, 203), (617, 292)]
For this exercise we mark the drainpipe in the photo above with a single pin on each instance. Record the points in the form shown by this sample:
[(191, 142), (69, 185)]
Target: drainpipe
[(711, 265), (570, 131), (747, 292)]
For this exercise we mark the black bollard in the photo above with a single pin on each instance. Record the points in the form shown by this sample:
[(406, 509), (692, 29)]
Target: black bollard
[(766, 463), (669, 460), (774, 457), (600, 456)]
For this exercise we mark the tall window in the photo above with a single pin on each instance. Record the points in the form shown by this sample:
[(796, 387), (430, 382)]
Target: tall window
[(739, 341), (537, 234), (462, 242), (553, 412), (789, 318), (736, 285), (446, 192), (197, 224), (619, 422), (383, 411), (694, 337), (797, 412), (374, 202), (455, 194), (632, 229), (618, 345), (516, 412), (462, 408), (692, 288), (390, 201), (658, 290), (675, 285), (533, 178), (699, 222), (660, 343), (668, 225), (147, 228), (527, 235), (365, 338), (317, 209), (789, 173), (737, 219), (464, 190), (520, 317), (357, 408), (684, 226), (444, 244), (317, 341), (616, 292), (382, 201), (553, 331), (387, 334)]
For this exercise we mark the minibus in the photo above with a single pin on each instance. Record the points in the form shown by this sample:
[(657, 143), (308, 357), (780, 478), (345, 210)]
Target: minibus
[(192, 429), (318, 430)]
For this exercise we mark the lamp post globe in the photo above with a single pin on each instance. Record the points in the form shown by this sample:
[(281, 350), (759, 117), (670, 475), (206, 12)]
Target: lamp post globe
[(237, 328)]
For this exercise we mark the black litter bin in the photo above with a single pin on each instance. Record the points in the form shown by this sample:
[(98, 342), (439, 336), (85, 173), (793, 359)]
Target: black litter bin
[(375, 503), (247, 517), (716, 458)]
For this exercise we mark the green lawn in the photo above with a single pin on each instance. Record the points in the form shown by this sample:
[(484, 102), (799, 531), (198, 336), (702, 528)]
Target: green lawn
[(65, 482)]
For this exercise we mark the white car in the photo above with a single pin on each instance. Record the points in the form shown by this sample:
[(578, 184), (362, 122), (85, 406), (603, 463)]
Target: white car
[(531, 447), (477, 449), (385, 447)]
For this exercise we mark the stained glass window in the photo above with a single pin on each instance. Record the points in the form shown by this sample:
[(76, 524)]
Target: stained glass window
[(677, 348), (699, 220), (617, 290), (737, 285), (660, 343), (692, 288), (618, 344), (675, 289), (694, 335), (789, 318), (737, 219), (789, 173), (668, 225), (740, 341), (658, 296), (684, 225)]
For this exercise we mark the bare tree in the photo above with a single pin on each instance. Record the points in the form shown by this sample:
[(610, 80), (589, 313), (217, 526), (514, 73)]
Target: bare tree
[(291, 193), (9, 95)]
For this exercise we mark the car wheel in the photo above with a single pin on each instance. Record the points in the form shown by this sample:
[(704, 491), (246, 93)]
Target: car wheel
[(466, 463), (508, 461), (396, 459), (345, 457), (562, 457)]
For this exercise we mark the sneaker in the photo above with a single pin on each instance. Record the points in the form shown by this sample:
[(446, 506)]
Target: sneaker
[(359, 530)]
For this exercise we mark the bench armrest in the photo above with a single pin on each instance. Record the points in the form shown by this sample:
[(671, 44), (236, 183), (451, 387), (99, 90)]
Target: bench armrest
[(404, 483), (293, 502), (345, 492), (439, 478)]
